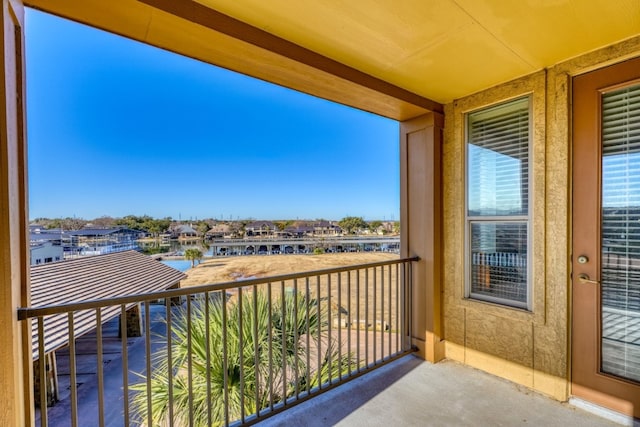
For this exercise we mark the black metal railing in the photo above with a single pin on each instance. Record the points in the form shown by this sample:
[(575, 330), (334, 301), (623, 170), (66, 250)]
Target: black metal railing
[(231, 353)]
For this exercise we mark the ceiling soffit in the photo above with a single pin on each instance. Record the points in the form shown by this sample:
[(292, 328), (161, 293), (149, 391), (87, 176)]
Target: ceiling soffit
[(443, 49)]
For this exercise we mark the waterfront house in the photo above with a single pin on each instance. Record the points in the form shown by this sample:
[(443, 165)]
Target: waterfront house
[(313, 229), (326, 228), (220, 231), (260, 229), (514, 116), (299, 230), (183, 231)]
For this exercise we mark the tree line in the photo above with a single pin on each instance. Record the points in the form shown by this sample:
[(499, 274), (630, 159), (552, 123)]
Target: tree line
[(157, 226)]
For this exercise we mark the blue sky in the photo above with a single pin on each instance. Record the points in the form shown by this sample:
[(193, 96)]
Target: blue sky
[(116, 127)]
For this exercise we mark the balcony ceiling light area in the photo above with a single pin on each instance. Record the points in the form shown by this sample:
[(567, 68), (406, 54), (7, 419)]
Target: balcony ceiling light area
[(418, 54)]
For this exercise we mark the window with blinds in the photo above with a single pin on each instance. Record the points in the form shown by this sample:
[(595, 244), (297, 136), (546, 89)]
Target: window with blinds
[(620, 259), (497, 152)]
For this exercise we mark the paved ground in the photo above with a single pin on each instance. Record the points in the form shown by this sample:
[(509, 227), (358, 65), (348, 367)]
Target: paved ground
[(411, 392), (59, 414)]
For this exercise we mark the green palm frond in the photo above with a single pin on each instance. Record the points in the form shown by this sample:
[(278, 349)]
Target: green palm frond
[(255, 356)]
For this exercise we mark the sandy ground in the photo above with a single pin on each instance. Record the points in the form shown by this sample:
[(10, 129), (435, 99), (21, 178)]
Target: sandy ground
[(368, 298), (233, 268)]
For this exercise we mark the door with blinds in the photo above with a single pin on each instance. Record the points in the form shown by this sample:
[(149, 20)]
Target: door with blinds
[(606, 237)]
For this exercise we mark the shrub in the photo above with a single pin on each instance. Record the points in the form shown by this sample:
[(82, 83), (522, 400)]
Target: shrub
[(266, 358)]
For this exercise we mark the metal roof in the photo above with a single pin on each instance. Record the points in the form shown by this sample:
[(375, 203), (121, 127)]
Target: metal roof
[(41, 237), (259, 224), (185, 229), (89, 279), (100, 231)]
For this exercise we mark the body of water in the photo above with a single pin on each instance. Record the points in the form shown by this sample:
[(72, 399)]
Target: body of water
[(182, 265)]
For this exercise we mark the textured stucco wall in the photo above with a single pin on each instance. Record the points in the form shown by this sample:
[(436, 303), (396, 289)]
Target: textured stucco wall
[(529, 347)]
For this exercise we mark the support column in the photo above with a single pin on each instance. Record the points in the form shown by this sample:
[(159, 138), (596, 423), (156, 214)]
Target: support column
[(176, 300), (51, 379), (133, 322), (16, 374), (421, 226)]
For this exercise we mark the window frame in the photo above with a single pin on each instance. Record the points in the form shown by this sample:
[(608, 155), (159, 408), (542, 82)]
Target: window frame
[(469, 220)]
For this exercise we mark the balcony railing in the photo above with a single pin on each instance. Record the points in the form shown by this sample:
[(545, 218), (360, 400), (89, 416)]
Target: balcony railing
[(232, 353)]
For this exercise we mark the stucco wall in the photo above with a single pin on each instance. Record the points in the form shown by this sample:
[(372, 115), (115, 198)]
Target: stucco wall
[(528, 347)]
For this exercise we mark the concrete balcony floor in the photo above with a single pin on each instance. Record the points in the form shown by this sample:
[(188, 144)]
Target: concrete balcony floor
[(412, 392)]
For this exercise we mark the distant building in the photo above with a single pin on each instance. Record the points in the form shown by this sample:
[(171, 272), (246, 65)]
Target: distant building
[(389, 227), (100, 241), (36, 228), (184, 232), (83, 242), (45, 245), (46, 252), (326, 228), (260, 228), (312, 229), (220, 231), (298, 231)]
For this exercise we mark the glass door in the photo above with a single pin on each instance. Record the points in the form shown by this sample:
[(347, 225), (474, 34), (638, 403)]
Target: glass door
[(606, 237), (620, 236)]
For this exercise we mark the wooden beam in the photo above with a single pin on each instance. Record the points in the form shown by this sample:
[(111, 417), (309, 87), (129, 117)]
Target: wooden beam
[(217, 21)]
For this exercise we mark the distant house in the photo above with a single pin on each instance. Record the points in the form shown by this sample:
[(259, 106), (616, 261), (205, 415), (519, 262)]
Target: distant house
[(383, 228), (389, 226), (183, 232), (260, 228), (326, 228), (220, 231), (311, 229), (299, 230)]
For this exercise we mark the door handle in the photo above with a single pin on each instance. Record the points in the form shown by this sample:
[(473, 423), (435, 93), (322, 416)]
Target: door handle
[(584, 278)]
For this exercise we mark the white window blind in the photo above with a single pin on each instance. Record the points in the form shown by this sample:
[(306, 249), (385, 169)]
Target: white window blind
[(620, 275), (498, 153), (498, 203)]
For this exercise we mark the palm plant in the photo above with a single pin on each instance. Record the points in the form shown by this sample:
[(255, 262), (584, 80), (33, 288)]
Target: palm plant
[(193, 255), (257, 355)]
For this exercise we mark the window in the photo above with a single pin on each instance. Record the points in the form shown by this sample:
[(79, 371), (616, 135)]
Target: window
[(497, 220)]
